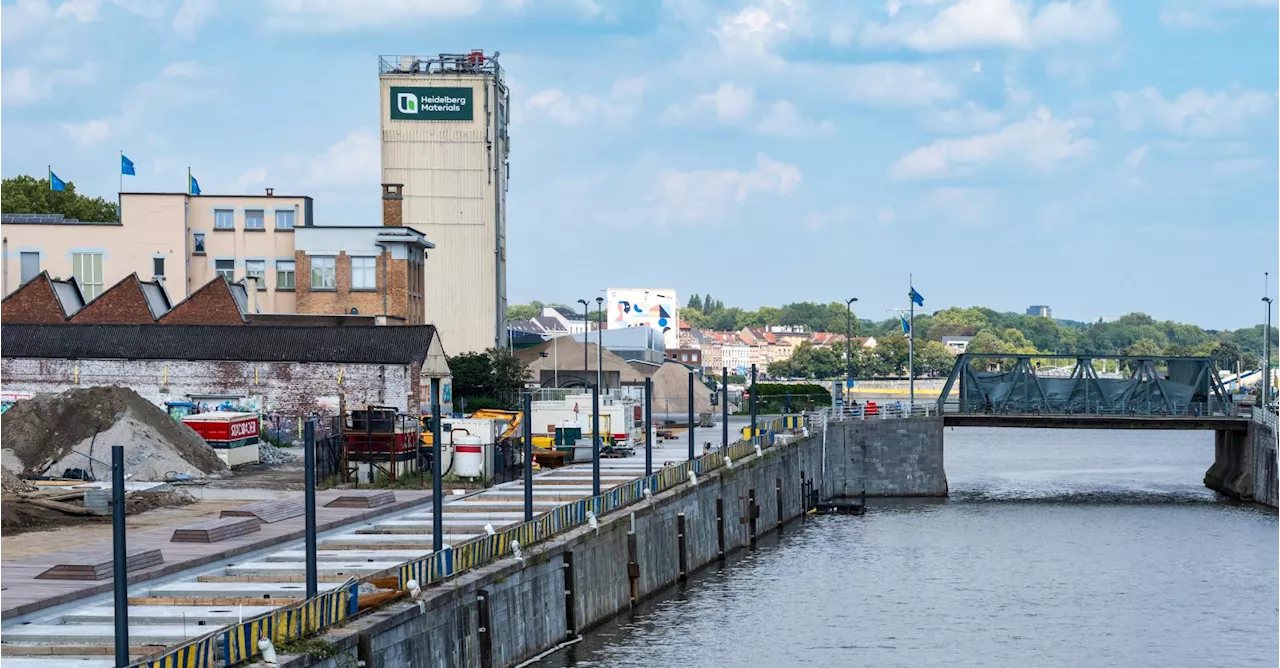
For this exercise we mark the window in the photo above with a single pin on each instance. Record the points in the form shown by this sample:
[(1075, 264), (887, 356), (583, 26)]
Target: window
[(224, 219), (363, 276), (253, 220), (198, 243), (157, 266), (257, 270), (30, 266), (284, 220), (225, 268), (87, 268), (284, 274), (324, 274)]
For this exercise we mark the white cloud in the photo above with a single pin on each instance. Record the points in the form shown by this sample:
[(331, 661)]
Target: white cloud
[(1195, 112), (710, 195), (783, 120), (356, 159), (23, 85), (755, 31), (1129, 170), (191, 15), (89, 132), (1040, 142), (342, 15), (254, 176), (891, 84), (968, 117), (621, 104), (84, 11), (728, 103), (970, 24), (1208, 14)]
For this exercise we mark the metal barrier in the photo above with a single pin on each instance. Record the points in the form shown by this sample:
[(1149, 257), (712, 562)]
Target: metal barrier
[(198, 653), (240, 641)]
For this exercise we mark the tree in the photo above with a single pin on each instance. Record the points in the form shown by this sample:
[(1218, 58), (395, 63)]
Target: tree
[(695, 302), (27, 194), (524, 311), (933, 359), (492, 375)]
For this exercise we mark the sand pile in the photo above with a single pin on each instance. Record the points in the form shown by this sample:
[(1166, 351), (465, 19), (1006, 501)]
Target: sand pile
[(47, 434), (671, 391)]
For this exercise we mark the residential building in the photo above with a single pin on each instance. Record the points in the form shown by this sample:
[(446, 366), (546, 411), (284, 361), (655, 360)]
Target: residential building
[(444, 126), (180, 243), (956, 344), (1040, 311), (567, 320), (687, 356)]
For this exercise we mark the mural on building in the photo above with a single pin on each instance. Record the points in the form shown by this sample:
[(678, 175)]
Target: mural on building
[(639, 307)]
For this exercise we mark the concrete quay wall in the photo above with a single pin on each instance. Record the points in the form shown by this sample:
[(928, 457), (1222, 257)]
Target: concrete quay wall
[(508, 612), (1244, 463)]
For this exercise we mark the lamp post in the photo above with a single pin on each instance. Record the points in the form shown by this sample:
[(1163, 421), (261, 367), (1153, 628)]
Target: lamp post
[(1266, 342), (586, 336), (848, 342), (600, 343)]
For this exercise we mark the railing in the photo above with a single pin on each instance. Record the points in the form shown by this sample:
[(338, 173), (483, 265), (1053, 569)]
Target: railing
[(1263, 416), (891, 410), (1197, 409)]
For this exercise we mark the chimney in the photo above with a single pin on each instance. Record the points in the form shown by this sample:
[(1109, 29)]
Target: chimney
[(393, 205), (271, 192)]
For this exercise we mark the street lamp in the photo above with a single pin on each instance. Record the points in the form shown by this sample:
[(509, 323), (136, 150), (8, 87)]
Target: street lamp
[(848, 342), (586, 331), (600, 342)]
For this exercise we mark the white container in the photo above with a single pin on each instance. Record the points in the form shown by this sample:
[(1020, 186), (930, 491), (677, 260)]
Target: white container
[(468, 456)]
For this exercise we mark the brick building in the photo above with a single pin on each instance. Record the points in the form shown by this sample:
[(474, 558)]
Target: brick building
[(131, 301), (290, 369)]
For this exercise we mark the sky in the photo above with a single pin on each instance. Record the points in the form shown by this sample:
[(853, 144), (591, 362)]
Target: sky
[(1099, 157)]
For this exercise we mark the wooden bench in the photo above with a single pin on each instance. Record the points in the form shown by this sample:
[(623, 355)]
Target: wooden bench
[(213, 531), (269, 512), (363, 498), (101, 566)]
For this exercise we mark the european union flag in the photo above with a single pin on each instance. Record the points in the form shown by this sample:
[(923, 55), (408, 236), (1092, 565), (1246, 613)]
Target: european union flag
[(915, 297), (56, 183), (126, 166), (194, 185)]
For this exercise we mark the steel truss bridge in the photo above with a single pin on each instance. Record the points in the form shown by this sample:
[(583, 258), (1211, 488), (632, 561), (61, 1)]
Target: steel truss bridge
[(1160, 392)]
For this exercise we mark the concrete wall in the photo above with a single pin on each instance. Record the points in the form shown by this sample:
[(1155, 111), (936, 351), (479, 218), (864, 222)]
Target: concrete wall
[(527, 600), (888, 457), (1244, 463)]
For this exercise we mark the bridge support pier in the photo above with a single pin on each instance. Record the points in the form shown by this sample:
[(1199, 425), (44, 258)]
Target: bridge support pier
[(1232, 471)]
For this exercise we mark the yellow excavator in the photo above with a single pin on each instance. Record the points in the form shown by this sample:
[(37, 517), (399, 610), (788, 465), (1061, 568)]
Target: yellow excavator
[(514, 420)]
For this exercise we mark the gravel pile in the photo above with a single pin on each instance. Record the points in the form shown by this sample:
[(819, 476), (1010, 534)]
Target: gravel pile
[(270, 454)]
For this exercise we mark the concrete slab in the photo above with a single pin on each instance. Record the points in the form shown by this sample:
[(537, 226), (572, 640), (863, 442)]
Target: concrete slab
[(99, 634), (58, 662), (262, 590), (150, 615), (272, 568), (348, 555), (396, 541)]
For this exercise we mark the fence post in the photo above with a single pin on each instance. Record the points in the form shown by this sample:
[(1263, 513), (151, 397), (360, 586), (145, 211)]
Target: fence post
[(309, 455)]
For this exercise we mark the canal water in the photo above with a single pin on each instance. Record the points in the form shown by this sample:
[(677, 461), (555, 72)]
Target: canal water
[(1056, 548)]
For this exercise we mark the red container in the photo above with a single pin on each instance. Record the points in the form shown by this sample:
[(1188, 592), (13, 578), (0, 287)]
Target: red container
[(224, 426)]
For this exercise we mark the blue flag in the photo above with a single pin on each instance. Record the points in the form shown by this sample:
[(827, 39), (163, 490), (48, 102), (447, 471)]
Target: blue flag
[(906, 326), (126, 166), (56, 183), (194, 186), (915, 297)]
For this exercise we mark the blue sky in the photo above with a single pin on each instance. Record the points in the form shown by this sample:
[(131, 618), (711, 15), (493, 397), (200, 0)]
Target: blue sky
[(1098, 157)]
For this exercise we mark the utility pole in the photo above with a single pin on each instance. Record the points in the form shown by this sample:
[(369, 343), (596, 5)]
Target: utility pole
[(1266, 342), (586, 337), (848, 343), (600, 343), (119, 557), (309, 481)]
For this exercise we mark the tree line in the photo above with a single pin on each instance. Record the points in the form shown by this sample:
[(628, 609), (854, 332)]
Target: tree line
[(27, 194)]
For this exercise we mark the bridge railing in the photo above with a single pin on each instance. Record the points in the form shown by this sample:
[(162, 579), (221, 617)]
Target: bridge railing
[(893, 410), (1195, 409)]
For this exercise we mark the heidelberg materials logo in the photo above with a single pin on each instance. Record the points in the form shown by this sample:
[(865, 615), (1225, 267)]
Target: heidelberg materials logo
[(436, 103)]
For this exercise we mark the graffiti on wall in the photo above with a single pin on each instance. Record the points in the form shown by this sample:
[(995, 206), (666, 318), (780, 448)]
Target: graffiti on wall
[(639, 307)]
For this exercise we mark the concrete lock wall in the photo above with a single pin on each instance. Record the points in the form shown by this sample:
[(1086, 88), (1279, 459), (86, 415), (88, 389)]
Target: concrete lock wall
[(508, 612), (886, 458), (1244, 464)]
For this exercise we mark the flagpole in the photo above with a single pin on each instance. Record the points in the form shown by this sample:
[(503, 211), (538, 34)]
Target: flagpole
[(911, 342), (120, 189)]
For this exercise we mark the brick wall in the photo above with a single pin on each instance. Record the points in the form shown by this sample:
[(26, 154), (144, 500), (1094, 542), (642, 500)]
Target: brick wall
[(286, 387), (210, 305), (122, 304), (403, 299), (33, 303)]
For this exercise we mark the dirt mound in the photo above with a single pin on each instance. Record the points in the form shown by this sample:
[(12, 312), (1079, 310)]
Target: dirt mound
[(11, 483), (50, 433), (17, 516)]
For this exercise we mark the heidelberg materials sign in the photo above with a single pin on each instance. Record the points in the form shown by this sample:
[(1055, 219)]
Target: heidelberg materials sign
[(431, 104)]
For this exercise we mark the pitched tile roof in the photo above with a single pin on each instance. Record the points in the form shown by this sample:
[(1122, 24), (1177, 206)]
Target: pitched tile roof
[(353, 345)]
